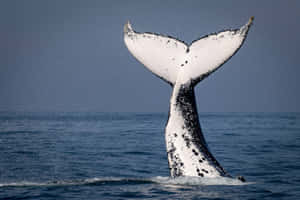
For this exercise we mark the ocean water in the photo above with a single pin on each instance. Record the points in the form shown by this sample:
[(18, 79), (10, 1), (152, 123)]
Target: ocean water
[(90, 155)]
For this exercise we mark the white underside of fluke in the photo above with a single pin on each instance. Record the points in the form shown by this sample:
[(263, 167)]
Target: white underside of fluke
[(166, 57), (183, 66)]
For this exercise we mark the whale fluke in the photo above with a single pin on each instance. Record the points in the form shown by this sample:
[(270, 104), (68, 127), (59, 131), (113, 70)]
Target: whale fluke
[(183, 65), (166, 56)]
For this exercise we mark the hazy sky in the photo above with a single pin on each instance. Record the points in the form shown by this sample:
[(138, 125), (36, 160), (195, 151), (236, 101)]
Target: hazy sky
[(64, 55)]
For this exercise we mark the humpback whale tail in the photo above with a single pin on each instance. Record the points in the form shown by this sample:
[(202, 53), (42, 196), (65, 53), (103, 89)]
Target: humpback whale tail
[(183, 66)]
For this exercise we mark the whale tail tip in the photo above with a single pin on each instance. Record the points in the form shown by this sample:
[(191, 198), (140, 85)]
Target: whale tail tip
[(244, 29), (250, 21), (127, 27)]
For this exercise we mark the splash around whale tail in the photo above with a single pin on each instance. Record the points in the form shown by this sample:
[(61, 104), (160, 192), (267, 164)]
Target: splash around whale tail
[(168, 57)]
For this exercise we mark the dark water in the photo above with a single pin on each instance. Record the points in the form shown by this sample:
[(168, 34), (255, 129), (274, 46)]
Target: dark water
[(123, 156)]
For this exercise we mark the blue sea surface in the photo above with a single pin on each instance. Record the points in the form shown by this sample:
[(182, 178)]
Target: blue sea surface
[(93, 155)]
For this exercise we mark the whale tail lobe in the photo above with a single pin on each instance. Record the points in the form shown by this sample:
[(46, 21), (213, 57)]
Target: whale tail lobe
[(175, 61)]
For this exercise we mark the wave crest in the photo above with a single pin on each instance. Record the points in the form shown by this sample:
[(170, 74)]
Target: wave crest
[(187, 180), (190, 181)]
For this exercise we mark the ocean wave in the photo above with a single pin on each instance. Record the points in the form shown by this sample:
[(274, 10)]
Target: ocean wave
[(186, 180), (181, 181)]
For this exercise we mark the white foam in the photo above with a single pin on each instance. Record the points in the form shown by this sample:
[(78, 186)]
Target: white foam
[(21, 184), (180, 181), (67, 182), (49, 183), (187, 180)]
